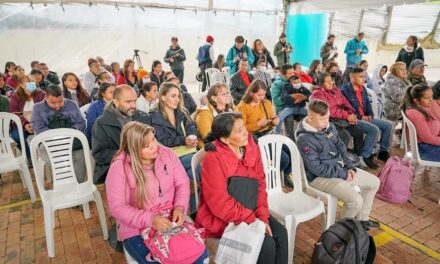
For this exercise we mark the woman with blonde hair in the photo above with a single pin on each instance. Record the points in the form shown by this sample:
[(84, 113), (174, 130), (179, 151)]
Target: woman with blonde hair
[(174, 126), (394, 90), (144, 178)]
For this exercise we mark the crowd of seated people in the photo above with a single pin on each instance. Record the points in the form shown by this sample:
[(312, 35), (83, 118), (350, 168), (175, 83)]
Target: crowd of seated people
[(146, 118)]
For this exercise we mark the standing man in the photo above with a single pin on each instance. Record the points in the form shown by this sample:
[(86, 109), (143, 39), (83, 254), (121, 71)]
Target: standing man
[(206, 57), (329, 51), (282, 50), (175, 56), (240, 51), (354, 49)]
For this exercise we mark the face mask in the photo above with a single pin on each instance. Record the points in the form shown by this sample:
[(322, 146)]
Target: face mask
[(262, 68), (333, 74), (30, 86), (296, 85), (145, 80)]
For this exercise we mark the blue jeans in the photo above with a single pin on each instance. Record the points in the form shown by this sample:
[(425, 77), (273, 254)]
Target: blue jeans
[(429, 152), (288, 111), (16, 138), (371, 134), (186, 162), (136, 248)]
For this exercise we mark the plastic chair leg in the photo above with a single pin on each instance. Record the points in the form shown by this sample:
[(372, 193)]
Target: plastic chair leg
[(48, 226), (27, 181), (332, 203), (290, 225), (101, 213), (323, 222), (86, 210)]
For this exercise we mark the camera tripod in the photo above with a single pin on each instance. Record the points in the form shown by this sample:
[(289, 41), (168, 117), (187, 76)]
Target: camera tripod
[(137, 58)]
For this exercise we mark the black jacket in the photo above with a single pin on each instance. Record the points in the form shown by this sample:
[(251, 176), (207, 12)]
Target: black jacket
[(265, 56), (238, 87), (52, 77), (171, 136), (106, 139), (408, 57), (288, 101)]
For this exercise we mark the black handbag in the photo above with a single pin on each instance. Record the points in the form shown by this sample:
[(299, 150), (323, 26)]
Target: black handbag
[(58, 120)]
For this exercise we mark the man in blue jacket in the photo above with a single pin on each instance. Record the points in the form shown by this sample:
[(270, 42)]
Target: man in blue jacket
[(354, 49), (357, 95), (328, 167), (240, 51)]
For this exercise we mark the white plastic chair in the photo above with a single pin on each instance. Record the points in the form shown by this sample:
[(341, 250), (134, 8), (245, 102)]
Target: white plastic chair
[(373, 100), (8, 161), (66, 192), (83, 109), (195, 162), (226, 69), (209, 75), (220, 77), (413, 148), (290, 208)]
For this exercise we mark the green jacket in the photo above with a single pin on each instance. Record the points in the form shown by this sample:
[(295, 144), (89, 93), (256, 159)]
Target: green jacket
[(275, 91), (413, 80), (280, 54), (4, 104)]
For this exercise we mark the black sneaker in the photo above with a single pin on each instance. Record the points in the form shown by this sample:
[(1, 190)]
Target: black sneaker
[(370, 163), (370, 224), (383, 155)]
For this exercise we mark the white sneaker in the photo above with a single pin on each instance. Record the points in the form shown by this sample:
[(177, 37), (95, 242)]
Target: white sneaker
[(361, 164)]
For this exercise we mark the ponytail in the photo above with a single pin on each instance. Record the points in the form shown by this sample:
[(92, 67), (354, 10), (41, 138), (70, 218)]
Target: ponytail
[(412, 93)]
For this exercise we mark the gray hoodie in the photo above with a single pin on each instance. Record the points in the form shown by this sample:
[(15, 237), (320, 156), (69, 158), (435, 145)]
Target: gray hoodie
[(376, 81), (323, 152)]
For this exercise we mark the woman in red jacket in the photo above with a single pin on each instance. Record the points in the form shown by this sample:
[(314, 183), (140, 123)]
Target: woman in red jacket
[(128, 75), (22, 102), (233, 160)]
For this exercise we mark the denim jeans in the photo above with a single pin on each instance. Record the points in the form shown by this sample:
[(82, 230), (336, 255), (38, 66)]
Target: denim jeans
[(288, 111), (372, 132), (136, 248), (16, 138), (186, 162), (429, 152)]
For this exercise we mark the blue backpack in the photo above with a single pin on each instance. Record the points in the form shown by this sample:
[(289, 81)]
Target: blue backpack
[(204, 54)]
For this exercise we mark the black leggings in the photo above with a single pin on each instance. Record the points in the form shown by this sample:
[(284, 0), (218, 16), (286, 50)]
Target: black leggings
[(275, 249), (358, 137)]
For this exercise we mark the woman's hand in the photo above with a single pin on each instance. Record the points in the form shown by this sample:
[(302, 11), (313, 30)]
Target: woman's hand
[(161, 224), (28, 128), (268, 230), (263, 122), (178, 216), (190, 142), (275, 121)]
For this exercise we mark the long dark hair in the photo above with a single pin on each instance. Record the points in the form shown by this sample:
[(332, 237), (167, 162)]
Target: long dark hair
[(7, 65), (313, 66), (221, 128), (82, 95), (416, 43), (254, 87), (103, 88), (415, 92)]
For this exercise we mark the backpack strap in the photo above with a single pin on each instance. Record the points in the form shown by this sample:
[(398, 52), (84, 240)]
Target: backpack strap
[(355, 236)]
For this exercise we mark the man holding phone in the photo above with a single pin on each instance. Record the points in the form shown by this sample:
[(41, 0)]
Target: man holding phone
[(240, 51), (283, 50), (355, 48)]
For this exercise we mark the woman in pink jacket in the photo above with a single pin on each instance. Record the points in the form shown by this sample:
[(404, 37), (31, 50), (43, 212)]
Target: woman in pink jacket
[(417, 105), (143, 177)]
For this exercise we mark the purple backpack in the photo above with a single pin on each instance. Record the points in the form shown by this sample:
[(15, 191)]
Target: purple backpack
[(396, 180)]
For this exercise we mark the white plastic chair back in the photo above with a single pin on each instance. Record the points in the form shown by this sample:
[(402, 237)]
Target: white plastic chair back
[(209, 75), (195, 162), (58, 144), (6, 152), (226, 69), (83, 109), (373, 100), (220, 77), (271, 148)]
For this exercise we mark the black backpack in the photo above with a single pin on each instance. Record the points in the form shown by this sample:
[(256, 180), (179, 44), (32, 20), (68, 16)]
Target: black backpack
[(346, 241), (58, 120)]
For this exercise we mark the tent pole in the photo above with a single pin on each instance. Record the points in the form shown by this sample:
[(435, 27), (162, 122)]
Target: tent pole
[(387, 29), (360, 21)]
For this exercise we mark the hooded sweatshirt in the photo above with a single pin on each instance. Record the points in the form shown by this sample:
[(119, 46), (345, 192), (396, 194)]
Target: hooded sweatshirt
[(377, 81), (323, 152), (408, 54)]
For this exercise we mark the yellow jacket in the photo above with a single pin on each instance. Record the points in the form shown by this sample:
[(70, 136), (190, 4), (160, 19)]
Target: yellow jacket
[(204, 116), (254, 113)]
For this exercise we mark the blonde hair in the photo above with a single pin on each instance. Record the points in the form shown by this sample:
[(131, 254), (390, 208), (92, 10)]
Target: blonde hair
[(393, 68), (163, 91), (133, 136)]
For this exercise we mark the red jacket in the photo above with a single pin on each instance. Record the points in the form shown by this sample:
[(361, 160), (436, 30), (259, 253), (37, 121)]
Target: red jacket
[(304, 77), (340, 107), (217, 207), (17, 105)]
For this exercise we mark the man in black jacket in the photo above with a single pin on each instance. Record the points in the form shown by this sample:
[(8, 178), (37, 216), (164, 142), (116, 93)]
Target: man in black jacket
[(107, 128), (240, 81)]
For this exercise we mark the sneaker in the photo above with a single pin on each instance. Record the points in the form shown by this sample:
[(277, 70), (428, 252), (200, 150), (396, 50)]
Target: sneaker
[(383, 155), (370, 224), (370, 163), (361, 164)]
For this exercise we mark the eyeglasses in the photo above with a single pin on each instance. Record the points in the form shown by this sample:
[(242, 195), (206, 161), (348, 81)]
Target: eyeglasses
[(225, 94)]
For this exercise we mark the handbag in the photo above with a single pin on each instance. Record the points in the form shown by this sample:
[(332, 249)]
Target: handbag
[(241, 244)]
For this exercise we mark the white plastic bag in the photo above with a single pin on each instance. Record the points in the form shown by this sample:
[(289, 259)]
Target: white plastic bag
[(241, 244)]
